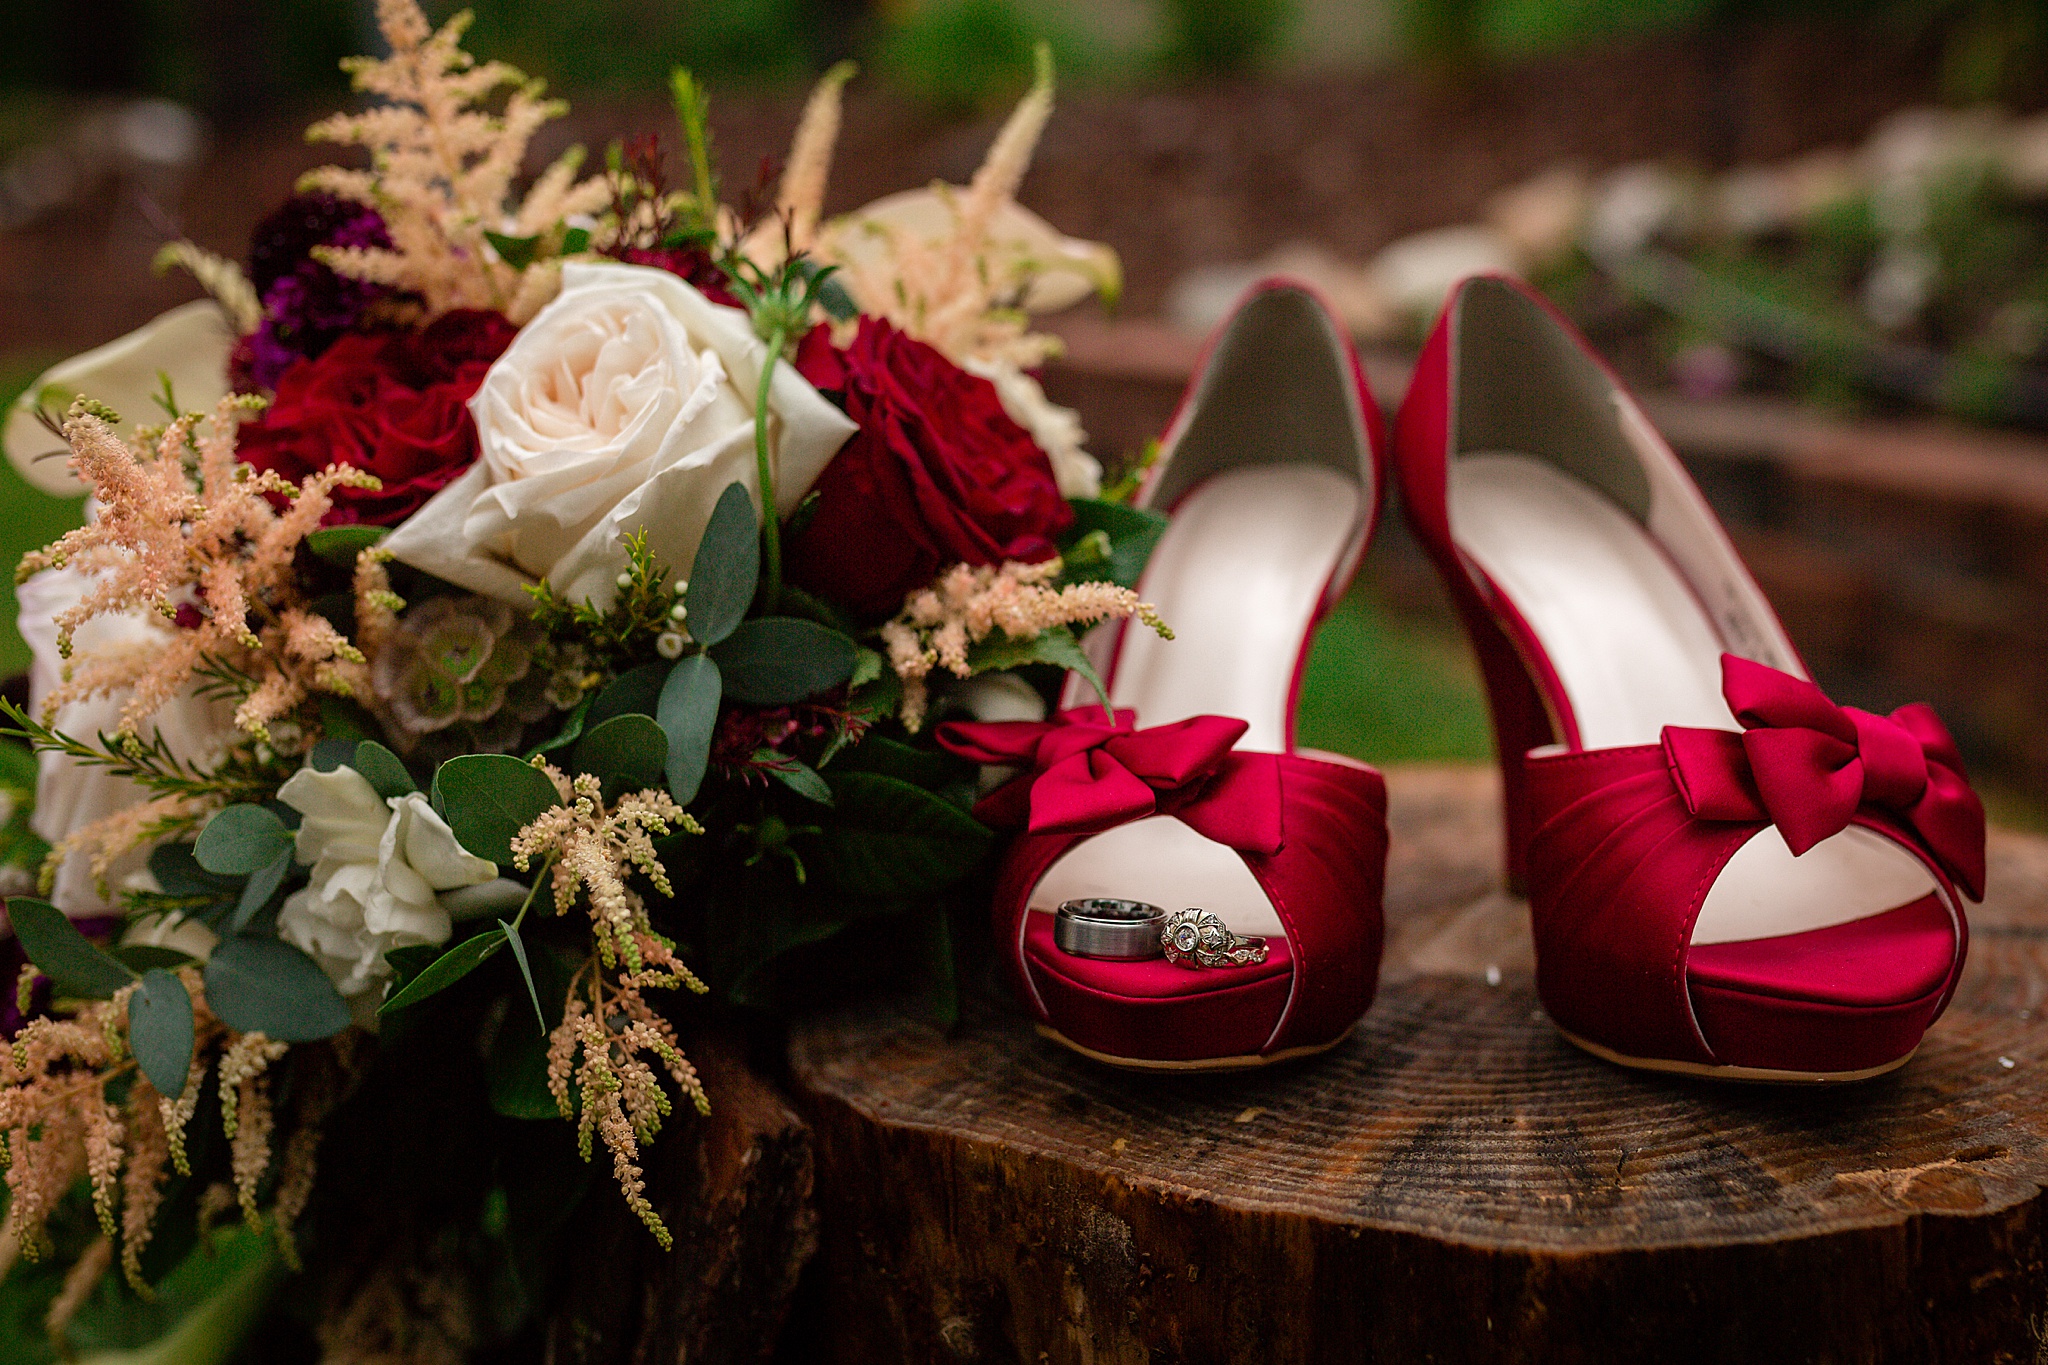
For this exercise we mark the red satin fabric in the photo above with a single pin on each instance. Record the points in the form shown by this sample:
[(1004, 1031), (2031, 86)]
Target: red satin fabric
[(1324, 876), (1807, 765), (1619, 866), (1617, 848)]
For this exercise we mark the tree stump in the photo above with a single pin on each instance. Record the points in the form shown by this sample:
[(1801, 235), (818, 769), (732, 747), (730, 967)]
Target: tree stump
[(735, 1190), (1454, 1183)]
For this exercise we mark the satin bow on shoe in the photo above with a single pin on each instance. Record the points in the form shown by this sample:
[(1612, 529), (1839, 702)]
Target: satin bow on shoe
[(1091, 772), (1807, 766)]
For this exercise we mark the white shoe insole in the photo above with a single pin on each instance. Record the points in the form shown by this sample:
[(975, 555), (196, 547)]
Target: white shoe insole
[(1238, 576), (1635, 652)]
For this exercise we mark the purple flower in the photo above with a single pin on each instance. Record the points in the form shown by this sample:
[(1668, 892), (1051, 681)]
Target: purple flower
[(306, 306)]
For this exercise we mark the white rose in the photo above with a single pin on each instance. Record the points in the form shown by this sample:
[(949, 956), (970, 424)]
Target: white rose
[(190, 344), (627, 403), (378, 870), (1056, 430), (71, 795)]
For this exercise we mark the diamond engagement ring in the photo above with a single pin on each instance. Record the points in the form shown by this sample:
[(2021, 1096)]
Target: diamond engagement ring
[(1102, 926), (1194, 938)]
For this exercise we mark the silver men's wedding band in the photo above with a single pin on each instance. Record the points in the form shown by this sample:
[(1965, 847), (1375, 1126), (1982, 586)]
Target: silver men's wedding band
[(1102, 926)]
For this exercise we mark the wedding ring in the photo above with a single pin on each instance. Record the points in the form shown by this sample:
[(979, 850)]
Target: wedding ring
[(1102, 926), (1195, 938)]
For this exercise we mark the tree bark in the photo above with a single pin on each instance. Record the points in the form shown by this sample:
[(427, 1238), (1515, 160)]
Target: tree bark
[(1455, 1183)]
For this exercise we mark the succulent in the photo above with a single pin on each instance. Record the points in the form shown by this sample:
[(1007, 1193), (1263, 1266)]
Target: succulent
[(465, 675)]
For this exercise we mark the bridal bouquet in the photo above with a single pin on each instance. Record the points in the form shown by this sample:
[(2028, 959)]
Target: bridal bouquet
[(498, 618)]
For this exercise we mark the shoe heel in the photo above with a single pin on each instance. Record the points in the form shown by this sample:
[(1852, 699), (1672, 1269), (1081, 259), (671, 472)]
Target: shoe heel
[(1521, 722)]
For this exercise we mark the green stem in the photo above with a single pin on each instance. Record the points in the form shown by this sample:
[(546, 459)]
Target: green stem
[(771, 520), (533, 891)]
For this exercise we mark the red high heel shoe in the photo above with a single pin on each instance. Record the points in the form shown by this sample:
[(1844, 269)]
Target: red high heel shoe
[(1271, 474), (1728, 874)]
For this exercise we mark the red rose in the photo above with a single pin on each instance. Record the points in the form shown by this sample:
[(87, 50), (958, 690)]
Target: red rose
[(937, 475), (392, 403)]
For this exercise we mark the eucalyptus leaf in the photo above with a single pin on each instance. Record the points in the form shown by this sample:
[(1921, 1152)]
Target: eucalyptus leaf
[(634, 692), (383, 770), (140, 957), (688, 715), (727, 567), (266, 985), (891, 839), (240, 840), (445, 970), (330, 754), (488, 798), (339, 545), (60, 952), (627, 753), (179, 874), (257, 892), (160, 1031), (773, 660)]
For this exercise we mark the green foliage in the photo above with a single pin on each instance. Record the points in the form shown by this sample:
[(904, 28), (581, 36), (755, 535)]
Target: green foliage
[(488, 798), (160, 1030), (969, 54), (447, 969), (687, 712), (771, 660), (339, 545), (1222, 37), (60, 952), (726, 569), (383, 770), (1056, 646), (240, 840), (624, 633), (627, 754), (241, 776), (1130, 535), (892, 839), (20, 846), (266, 985), (635, 691)]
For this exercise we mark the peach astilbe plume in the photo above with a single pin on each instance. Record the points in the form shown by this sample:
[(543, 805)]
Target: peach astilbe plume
[(940, 625), (610, 1041), (183, 525), (948, 291), (58, 1122), (442, 166)]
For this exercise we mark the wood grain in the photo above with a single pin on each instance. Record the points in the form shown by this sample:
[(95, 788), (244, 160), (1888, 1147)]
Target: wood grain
[(1456, 1183), (735, 1190)]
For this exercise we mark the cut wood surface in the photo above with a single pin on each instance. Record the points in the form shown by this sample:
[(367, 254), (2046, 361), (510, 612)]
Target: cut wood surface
[(735, 1190), (1454, 1183)]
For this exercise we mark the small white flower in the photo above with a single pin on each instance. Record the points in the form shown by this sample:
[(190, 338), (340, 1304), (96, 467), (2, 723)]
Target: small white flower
[(678, 612), (378, 866), (669, 645)]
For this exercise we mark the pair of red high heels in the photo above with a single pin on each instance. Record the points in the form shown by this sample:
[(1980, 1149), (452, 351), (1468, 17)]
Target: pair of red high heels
[(1728, 874)]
